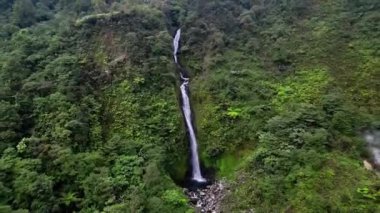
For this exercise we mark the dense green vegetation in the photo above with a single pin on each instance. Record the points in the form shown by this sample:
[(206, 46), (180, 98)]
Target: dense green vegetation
[(89, 117)]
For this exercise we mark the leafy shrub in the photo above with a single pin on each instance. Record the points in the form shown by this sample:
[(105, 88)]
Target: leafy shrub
[(174, 197)]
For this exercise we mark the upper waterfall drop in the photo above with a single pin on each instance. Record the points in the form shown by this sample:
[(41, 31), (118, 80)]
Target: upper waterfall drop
[(176, 44), (186, 109)]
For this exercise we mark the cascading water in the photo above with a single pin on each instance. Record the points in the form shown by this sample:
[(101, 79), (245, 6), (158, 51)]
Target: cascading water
[(372, 138), (176, 45), (196, 170)]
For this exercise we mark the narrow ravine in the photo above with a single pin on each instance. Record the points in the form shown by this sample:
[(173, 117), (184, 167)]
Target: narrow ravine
[(205, 195), (186, 110)]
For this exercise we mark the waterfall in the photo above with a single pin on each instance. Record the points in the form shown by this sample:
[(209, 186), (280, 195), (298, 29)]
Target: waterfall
[(176, 44), (186, 109), (373, 143)]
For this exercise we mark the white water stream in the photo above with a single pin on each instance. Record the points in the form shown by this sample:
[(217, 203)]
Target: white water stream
[(186, 109), (373, 142)]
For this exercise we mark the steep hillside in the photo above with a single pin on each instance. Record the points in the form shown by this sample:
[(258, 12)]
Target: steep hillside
[(282, 92)]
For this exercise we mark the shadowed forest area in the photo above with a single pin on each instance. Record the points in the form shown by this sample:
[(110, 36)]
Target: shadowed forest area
[(282, 92)]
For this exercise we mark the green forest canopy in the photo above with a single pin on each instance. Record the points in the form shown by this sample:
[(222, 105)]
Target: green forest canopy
[(282, 90)]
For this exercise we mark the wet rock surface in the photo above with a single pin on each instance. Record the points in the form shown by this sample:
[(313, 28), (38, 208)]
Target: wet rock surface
[(207, 199)]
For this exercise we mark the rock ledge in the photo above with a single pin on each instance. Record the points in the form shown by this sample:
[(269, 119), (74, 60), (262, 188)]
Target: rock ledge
[(208, 199)]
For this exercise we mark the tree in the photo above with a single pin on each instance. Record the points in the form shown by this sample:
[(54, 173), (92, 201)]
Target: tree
[(5, 4), (23, 13), (10, 123), (100, 6)]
